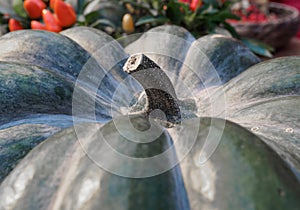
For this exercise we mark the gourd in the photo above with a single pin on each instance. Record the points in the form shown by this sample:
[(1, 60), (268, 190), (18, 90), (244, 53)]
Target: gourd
[(250, 158)]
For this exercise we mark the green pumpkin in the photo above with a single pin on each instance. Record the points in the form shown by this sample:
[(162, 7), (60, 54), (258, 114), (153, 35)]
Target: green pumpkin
[(234, 146)]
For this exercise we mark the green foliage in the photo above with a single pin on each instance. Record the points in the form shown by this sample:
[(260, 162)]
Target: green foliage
[(258, 47), (204, 20), (107, 15), (150, 13), (19, 9), (101, 14)]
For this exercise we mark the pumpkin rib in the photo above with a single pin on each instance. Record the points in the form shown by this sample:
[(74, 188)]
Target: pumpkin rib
[(208, 61), (18, 138), (237, 181), (55, 56), (29, 89), (270, 85), (108, 54), (61, 54), (280, 133)]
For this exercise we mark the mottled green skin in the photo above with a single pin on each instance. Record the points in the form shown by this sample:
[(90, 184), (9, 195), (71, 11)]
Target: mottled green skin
[(265, 99), (107, 52), (37, 74), (243, 173), (18, 137), (208, 61), (270, 79), (65, 171), (229, 56), (17, 141), (29, 90), (48, 50), (95, 42), (213, 60)]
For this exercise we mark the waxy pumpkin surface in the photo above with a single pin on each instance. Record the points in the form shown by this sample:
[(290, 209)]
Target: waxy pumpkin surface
[(236, 145)]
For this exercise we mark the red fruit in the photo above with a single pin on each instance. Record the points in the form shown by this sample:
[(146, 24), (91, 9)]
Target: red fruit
[(34, 8), (251, 8), (50, 21), (65, 13), (252, 17), (261, 17), (14, 25), (34, 24), (244, 19), (52, 3), (185, 1), (195, 4)]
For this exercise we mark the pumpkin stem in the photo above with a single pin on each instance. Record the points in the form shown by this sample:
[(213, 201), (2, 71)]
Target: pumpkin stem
[(158, 88)]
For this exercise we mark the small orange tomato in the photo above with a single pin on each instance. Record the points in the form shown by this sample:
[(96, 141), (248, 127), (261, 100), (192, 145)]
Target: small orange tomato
[(50, 21), (34, 8), (14, 25), (36, 25), (128, 23), (65, 13)]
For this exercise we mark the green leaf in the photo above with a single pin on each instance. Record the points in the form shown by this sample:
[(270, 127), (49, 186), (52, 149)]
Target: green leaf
[(19, 9), (227, 15), (174, 13), (103, 22), (231, 29), (258, 47), (210, 10), (92, 17), (142, 5), (99, 9), (81, 4), (151, 20), (212, 2)]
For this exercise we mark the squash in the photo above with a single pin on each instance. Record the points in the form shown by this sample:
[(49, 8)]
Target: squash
[(29, 91), (186, 159)]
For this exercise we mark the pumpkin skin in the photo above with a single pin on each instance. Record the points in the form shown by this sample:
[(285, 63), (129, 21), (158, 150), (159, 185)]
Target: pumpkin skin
[(19, 137), (177, 45), (68, 64), (270, 99), (268, 172), (22, 88), (26, 73), (258, 177), (27, 86)]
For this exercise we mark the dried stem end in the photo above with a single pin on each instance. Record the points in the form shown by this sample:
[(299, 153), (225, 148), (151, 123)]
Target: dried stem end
[(158, 88)]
